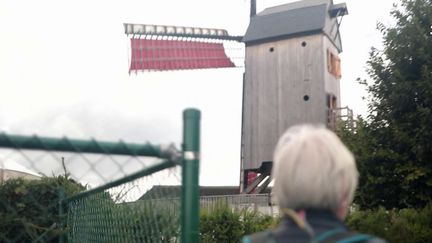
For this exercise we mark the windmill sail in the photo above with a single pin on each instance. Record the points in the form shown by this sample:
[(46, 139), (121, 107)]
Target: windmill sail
[(162, 48), (177, 54)]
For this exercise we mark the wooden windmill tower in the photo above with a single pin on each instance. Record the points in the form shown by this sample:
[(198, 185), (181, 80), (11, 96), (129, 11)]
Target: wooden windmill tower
[(292, 71)]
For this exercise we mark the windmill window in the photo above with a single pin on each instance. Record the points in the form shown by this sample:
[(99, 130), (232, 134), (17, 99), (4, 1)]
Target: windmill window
[(306, 97), (331, 101), (333, 64), (271, 49), (303, 43)]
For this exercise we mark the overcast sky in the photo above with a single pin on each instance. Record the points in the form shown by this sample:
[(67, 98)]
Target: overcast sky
[(64, 71)]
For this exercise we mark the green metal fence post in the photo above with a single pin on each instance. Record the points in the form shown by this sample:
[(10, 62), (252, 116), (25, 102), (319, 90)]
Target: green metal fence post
[(190, 177), (62, 216)]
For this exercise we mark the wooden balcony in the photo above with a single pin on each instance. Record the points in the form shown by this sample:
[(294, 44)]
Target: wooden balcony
[(337, 117)]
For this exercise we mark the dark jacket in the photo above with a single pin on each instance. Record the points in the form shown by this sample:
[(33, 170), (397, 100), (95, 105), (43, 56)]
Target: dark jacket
[(321, 221)]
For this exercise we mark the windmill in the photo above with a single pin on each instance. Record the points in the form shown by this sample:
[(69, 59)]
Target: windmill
[(292, 71)]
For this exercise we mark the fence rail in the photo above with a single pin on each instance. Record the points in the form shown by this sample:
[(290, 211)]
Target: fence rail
[(87, 146), (261, 203)]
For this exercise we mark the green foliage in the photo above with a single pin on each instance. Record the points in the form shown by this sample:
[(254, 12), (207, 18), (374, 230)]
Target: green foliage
[(254, 222), (404, 225), (392, 146), (376, 165), (224, 224), (29, 209)]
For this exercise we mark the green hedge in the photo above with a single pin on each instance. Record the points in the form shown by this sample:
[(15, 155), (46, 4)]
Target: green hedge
[(29, 208), (404, 225), (224, 224)]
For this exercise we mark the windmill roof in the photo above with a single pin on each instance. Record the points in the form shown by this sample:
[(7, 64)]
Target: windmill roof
[(297, 18), (292, 6), (162, 191)]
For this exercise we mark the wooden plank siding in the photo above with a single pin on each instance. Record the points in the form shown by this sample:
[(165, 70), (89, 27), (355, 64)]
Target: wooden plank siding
[(274, 89)]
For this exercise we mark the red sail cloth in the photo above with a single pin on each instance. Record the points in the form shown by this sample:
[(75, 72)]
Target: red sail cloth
[(177, 54)]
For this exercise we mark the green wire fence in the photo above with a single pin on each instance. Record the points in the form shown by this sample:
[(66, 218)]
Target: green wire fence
[(132, 208)]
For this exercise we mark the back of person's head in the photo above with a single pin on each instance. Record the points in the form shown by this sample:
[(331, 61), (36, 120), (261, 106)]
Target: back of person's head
[(312, 168)]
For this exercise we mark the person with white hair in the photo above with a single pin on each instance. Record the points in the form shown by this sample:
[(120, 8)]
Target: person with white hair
[(315, 177)]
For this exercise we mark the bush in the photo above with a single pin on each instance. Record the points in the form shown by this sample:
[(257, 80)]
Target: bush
[(224, 224), (404, 225), (29, 209)]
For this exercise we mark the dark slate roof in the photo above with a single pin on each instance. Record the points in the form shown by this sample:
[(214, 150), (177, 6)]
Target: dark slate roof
[(302, 17), (292, 6), (175, 191), (162, 192)]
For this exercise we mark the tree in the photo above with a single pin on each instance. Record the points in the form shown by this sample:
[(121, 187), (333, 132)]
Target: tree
[(393, 146)]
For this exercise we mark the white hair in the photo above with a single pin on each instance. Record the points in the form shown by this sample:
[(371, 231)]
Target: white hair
[(312, 168)]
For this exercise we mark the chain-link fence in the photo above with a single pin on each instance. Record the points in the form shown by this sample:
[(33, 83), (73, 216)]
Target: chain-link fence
[(68, 190)]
